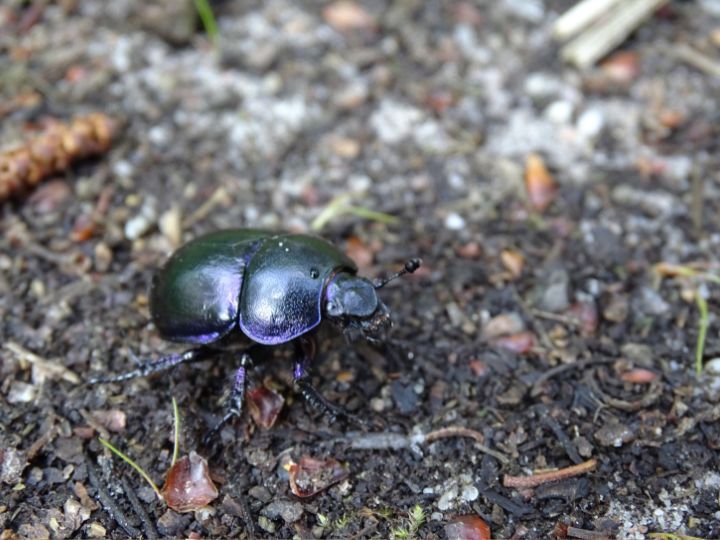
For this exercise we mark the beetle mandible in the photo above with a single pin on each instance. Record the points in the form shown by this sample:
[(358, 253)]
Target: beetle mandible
[(260, 287)]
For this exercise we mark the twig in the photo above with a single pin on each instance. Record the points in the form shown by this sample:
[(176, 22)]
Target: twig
[(552, 476), (457, 431), (609, 32), (507, 504), (567, 444), (584, 534), (108, 503), (564, 319), (580, 16), (54, 370), (653, 393), (697, 199), (396, 441), (139, 509), (219, 196), (550, 373), (40, 442), (695, 58)]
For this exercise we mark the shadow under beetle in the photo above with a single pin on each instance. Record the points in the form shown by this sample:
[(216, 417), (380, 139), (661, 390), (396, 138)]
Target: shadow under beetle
[(264, 288)]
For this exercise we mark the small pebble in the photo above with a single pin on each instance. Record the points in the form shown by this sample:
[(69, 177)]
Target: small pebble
[(95, 530), (12, 464), (469, 493), (266, 524), (289, 511), (261, 493), (555, 292), (454, 221), (651, 303), (590, 123), (614, 434), (446, 500), (559, 112), (21, 392)]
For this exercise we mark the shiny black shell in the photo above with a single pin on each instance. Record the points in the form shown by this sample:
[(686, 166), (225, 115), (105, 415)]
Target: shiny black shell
[(267, 285)]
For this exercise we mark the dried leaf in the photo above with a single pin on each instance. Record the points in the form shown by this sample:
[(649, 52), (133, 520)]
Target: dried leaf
[(639, 376), (188, 485), (479, 368), (346, 16), (622, 67), (265, 406), (539, 183), (83, 229), (471, 250), (468, 527), (311, 476), (586, 314), (513, 261), (360, 252)]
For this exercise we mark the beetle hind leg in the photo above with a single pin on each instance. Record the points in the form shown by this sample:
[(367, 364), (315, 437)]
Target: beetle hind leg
[(160, 364), (305, 350), (235, 401)]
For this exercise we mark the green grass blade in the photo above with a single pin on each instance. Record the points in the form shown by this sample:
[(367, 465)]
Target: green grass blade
[(134, 465), (372, 215), (176, 431), (703, 323), (207, 17)]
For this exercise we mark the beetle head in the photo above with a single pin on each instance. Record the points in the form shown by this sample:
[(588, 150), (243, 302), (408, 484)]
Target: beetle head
[(351, 303)]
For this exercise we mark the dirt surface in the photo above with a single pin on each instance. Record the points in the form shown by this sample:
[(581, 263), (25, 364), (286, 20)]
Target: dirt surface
[(551, 336)]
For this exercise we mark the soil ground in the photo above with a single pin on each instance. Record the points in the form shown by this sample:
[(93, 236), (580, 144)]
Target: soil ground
[(552, 335)]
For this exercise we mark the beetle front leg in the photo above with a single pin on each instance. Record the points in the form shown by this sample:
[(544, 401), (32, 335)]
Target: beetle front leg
[(235, 401), (160, 364), (305, 351)]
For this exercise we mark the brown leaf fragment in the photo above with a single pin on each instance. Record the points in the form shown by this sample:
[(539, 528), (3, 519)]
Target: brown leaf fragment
[(468, 527), (639, 376), (513, 261), (622, 67), (311, 476), (188, 485), (539, 184), (586, 315), (348, 16), (265, 406), (359, 251)]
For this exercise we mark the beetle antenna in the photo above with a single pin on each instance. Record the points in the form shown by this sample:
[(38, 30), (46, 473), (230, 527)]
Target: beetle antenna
[(409, 268)]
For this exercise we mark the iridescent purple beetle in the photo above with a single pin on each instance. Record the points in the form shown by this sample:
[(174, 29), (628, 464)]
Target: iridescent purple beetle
[(260, 287)]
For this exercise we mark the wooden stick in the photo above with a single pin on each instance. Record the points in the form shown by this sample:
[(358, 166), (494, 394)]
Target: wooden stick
[(695, 58), (552, 476), (608, 33), (580, 16)]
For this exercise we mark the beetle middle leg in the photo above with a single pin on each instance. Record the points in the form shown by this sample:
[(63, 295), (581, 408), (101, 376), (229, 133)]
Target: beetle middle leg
[(235, 401), (305, 353), (160, 364)]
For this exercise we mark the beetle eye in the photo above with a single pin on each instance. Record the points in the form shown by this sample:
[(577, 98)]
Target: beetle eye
[(333, 309)]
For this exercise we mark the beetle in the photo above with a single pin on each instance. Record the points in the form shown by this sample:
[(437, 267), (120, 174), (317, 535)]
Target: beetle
[(256, 286)]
